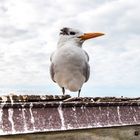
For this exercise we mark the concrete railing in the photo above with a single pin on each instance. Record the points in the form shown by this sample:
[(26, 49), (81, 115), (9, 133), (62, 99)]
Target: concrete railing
[(63, 114)]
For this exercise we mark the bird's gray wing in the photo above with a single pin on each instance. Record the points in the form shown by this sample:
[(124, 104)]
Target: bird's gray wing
[(52, 68), (51, 56), (86, 71), (52, 71), (86, 55)]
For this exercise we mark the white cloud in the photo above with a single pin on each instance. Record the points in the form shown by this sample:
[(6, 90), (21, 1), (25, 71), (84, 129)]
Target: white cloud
[(29, 33)]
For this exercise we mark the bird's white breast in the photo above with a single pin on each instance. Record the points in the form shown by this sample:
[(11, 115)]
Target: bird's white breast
[(68, 64)]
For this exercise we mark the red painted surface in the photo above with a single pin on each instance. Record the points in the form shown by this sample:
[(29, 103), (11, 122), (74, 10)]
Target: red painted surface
[(43, 114)]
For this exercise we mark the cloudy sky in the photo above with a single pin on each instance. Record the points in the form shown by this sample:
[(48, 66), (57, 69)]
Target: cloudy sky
[(29, 31)]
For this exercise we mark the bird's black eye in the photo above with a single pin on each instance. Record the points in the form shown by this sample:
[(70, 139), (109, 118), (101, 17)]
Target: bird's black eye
[(72, 33)]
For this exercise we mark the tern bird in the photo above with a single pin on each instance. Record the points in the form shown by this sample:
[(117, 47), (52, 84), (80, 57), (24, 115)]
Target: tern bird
[(69, 63)]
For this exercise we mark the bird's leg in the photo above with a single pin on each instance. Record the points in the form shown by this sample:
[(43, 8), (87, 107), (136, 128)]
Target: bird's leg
[(63, 90), (79, 92)]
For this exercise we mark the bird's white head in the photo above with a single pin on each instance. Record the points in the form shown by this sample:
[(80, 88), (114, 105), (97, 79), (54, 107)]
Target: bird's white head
[(74, 37)]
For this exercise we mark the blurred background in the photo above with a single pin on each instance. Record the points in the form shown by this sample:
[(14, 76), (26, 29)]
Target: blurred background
[(29, 31)]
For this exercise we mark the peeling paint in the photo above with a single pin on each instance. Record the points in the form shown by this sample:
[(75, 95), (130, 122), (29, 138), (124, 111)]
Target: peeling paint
[(60, 111), (32, 117), (10, 117), (119, 116), (39, 114), (24, 118)]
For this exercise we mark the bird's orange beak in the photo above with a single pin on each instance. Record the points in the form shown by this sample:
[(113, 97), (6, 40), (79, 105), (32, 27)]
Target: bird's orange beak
[(86, 36)]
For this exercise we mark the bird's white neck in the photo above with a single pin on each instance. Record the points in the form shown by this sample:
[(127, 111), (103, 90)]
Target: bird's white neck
[(69, 42)]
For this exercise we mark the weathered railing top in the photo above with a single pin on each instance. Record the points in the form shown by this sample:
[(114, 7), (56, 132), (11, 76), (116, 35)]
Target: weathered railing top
[(29, 114), (13, 100)]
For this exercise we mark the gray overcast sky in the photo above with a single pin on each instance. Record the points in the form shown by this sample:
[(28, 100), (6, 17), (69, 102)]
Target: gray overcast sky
[(29, 32)]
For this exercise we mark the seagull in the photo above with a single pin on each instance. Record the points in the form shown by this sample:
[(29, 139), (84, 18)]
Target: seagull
[(70, 63)]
